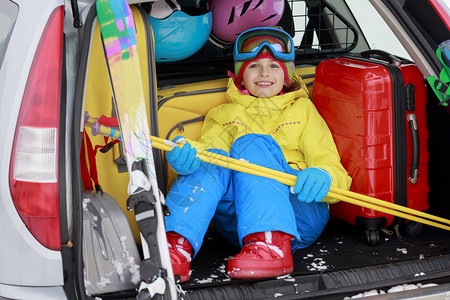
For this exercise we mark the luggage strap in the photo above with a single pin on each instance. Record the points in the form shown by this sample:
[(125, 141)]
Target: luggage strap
[(88, 154), (89, 174)]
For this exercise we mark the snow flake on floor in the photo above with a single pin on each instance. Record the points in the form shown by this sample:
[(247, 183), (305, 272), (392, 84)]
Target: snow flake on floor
[(402, 250), (286, 277), (201, 281), (223, 268), (394, 289), (217, 274), (339, 240), (317, 263)]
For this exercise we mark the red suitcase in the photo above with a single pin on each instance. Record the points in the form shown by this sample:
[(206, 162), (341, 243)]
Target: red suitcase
[(375, 109)]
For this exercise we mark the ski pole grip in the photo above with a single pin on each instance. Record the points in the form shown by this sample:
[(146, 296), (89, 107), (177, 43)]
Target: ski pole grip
[(414, 171), (95, 128)]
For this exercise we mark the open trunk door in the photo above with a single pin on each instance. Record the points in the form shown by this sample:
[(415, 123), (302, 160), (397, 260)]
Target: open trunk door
[(420, 25)]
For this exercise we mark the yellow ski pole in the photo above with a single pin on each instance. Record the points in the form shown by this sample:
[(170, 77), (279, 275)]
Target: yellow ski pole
[(288, 179)]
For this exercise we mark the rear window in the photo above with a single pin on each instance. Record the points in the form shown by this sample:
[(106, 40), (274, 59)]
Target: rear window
[(320, 28), (323, 27), (8, 16)]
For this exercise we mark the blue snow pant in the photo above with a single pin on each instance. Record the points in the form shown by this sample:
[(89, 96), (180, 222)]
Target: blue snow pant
[(240, 204)]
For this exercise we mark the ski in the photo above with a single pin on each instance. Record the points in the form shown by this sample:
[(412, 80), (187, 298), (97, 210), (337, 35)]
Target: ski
[(121, 53)]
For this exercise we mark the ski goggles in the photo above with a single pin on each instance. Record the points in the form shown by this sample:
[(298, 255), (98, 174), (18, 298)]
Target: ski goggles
[(250, 44)]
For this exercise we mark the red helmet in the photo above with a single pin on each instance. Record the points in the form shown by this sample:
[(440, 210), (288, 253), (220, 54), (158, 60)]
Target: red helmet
[(232, 17)]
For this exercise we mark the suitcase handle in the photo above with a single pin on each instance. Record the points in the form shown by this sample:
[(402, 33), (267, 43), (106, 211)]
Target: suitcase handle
[(385, 55), (414, 172)]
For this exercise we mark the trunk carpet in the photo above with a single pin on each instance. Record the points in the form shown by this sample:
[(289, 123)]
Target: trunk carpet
[(340, 247)]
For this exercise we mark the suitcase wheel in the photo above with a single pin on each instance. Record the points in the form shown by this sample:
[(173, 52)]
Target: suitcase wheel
[(372, 237), (414, 229), (371, 227)]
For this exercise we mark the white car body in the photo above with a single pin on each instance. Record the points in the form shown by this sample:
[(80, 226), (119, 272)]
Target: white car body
[(28, 269)]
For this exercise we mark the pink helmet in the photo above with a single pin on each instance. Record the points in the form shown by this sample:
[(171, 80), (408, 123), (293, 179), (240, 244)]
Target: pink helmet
[(232, 17)]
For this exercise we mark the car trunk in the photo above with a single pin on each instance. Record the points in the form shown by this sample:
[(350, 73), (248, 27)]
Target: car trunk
[(339, 263)]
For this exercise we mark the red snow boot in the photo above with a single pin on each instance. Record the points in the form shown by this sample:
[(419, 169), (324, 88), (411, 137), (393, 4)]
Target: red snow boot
[(265, 254), (180, 255)]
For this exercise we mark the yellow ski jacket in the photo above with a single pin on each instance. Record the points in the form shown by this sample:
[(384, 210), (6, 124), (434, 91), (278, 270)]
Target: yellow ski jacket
[(291, 119)]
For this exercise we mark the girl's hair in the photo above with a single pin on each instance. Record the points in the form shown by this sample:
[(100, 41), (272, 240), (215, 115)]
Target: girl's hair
[(293, 86)]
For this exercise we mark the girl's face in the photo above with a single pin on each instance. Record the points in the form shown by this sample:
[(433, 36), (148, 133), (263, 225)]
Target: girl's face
[(263, 78)]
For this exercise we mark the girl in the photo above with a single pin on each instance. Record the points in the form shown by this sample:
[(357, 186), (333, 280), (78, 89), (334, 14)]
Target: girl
[(268, 121)]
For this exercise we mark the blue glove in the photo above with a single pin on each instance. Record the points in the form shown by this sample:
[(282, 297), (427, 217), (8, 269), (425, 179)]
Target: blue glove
[(312, 184), (183, 160)]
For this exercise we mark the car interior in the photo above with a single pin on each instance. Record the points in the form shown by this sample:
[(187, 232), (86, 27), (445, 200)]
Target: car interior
[(346, 259)]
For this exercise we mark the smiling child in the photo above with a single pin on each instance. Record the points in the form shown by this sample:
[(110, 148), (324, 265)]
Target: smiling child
[(268, 121)]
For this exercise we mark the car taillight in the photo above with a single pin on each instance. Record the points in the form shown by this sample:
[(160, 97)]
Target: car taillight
[(33, 173)]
